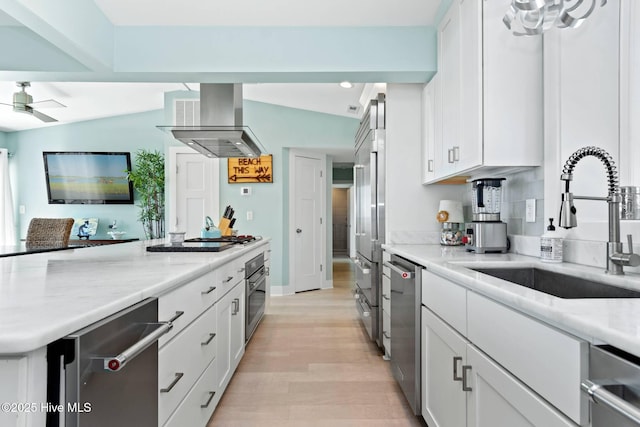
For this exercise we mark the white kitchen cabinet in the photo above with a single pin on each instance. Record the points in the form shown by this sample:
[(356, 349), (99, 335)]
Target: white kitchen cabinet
[(444, 353), (489, 96), (497, 399), (23, 381), (231, 326), (486, 365), (431, 152)]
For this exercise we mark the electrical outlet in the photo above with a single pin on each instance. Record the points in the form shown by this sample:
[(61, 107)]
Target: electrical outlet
[(249, 215), (531, 210)]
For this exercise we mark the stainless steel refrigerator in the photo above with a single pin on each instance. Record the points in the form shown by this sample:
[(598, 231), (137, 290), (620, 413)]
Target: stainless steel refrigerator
[(368, 179)]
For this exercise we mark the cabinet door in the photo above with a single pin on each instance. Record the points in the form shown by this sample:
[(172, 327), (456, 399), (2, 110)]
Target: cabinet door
[(499, 400), (469, 154), (223, 355), (431, 162), (449, 71), (237, 328), (443, 354)]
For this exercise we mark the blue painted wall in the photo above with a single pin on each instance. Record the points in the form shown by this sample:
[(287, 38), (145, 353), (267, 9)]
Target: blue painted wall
[(278, 129), (122, 133), (3, 139)]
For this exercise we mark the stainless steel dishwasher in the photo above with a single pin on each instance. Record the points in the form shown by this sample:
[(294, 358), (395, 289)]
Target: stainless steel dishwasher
[(406, 299), (614, 387), (107, 373)]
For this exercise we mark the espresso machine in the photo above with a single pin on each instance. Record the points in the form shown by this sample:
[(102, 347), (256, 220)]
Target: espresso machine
[(486, 233)]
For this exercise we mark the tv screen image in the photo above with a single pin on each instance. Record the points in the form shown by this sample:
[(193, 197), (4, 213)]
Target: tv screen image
[(88, 177)]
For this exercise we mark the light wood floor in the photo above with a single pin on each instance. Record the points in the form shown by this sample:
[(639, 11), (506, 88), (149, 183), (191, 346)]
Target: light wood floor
[(310, 364)]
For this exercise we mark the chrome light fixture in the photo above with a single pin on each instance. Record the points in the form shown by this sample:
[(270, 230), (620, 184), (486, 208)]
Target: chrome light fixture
[(533, 17)]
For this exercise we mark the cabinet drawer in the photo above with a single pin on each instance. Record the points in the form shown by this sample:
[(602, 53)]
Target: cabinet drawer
[(229, 275), (386, 293), (552, 363), (182, 361), (446, 299), (386, 331), (186, 303), (196, 409)]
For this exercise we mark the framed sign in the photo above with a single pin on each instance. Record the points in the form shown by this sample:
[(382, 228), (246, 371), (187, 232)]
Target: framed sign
[(243, 170)]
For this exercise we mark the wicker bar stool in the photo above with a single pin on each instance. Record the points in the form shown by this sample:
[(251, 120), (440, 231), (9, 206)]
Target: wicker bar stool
[(49, 232)]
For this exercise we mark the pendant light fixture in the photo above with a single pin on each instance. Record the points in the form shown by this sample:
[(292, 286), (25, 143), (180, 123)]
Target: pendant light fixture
[(533, 17)]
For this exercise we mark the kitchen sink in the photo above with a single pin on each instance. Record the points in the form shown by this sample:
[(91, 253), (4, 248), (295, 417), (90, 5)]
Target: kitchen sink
[(557, 284)]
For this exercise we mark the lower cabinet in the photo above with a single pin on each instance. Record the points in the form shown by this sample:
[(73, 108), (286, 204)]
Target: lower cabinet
[(463, 387), (231, 324)]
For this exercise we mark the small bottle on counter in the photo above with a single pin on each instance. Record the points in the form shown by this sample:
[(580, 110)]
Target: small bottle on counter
[(551, 244)]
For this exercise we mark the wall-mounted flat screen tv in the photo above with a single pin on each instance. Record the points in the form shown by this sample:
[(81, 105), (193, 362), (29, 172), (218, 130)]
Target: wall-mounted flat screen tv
[(88, 177)]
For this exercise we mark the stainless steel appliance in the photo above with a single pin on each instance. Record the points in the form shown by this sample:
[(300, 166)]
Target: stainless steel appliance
[(614, 387), (368, 177), (256, 283), (107, 373), (486, 233), (406, 299)]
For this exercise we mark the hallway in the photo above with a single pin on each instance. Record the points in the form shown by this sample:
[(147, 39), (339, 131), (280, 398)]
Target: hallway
[(311, 364)]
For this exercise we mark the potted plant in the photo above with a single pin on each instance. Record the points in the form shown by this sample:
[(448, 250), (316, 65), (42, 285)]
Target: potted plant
[(147, 178)]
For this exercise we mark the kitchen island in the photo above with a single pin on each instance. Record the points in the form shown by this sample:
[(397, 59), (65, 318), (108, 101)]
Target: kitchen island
[(517, 354), (47, 296)]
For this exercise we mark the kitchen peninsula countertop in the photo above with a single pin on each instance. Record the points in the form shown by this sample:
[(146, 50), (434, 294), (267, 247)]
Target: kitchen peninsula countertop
[(611, 321), (46, 296)]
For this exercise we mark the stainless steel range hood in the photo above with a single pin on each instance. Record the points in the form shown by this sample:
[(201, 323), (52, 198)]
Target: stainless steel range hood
[(221, 133)]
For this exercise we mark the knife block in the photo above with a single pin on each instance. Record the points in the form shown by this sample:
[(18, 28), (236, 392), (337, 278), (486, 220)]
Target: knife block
[(224, 227)]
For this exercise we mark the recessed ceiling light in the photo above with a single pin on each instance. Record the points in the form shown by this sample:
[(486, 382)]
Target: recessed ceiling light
[(346, 85), (238, 143)]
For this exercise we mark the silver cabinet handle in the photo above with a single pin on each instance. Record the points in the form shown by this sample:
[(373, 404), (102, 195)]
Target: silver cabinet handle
[(236, 306), (116, 363), (208, 291), (450, 158), (298, 230), (456, 154), (178, 377), (455, 368), (600, 395), (430, 166), (211, 337), (465, 377), (206, 405), (401, 272), (175, 317), (229, 278), (364, 270)]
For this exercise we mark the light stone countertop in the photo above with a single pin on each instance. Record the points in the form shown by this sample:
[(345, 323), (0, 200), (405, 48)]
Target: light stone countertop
[(46, 296), (611, 321)]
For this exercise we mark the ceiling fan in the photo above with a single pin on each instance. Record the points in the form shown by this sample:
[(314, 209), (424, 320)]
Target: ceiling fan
[(23, 103)]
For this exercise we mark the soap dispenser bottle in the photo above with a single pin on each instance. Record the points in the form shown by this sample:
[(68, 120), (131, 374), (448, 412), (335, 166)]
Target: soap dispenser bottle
[(551, 244)]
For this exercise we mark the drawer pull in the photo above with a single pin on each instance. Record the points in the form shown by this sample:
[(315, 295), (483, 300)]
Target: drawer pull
[(208, 291), (455, 368), (229, 278), (175, 317), (206, 405), (465, 369), (236, 306), (211, 337), (179, 376)]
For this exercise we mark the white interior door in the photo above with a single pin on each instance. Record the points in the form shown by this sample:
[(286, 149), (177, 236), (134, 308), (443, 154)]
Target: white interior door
[(195, 192), (308, 210)]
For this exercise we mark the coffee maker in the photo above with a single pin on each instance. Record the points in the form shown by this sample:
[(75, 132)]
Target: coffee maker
[(486, 233)]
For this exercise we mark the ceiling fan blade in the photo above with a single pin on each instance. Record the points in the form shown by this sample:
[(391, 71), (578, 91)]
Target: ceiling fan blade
[(43, 117), (47, 103)]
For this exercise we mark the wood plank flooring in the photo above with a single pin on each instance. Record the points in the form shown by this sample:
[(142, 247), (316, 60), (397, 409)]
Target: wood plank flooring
[(310, 363)]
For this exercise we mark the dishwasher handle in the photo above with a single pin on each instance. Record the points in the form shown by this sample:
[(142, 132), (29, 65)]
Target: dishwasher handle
[(116, 363), (404, 274), (600, 395)]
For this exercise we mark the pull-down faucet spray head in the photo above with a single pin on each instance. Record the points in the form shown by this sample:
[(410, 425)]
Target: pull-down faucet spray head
[(567, 209)]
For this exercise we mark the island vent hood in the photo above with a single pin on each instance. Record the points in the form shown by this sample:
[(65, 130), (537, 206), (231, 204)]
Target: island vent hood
[(221, 132)]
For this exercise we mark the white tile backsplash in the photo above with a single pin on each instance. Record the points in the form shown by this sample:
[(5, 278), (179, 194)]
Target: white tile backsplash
[(407, 237)]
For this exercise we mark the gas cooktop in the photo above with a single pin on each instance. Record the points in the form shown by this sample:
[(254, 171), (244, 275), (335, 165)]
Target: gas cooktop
[(201, 244)]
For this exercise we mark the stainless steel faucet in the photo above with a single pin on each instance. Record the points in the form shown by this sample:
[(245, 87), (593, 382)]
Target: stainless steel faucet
[(616, 258)]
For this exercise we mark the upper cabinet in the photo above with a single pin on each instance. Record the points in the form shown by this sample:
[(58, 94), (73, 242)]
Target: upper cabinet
[(487, 99)]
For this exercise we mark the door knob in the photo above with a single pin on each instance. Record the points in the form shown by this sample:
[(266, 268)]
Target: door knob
[(298, 231)]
